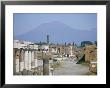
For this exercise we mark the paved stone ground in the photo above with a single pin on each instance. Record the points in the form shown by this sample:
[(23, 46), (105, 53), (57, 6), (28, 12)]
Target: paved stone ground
[(70, 67)]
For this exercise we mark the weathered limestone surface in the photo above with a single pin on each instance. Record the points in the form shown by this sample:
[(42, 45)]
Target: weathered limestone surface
[(90, 53)]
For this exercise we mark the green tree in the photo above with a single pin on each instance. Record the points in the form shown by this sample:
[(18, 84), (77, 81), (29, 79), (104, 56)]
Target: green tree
[(83, 43), (95, 43)]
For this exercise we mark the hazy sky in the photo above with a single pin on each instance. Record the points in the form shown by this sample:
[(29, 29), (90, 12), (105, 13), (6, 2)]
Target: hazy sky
[(28, 21)]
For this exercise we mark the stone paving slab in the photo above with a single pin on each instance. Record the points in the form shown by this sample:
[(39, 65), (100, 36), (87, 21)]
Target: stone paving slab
[(70, 67)]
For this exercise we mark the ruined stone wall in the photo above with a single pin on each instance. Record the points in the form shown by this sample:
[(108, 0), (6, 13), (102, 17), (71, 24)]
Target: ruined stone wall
[(90, 53)]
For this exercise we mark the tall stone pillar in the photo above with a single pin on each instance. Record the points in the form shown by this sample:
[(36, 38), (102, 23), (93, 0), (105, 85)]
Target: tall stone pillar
[(35, 58), (30, 59), (47, 39), (26, 63), (14, 61), (17, 57), (21, 60)]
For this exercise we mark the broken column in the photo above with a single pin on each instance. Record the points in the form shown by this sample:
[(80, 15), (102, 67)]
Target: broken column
[(45, 66), (51, 69), (45, 63)]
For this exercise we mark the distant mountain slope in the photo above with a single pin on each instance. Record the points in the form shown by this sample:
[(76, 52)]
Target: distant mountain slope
[(58, 32)]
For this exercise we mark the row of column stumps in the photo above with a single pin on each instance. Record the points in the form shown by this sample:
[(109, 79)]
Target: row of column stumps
[(23, 63)]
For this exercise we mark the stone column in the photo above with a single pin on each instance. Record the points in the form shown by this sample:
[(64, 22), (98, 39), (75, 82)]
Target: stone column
[(30, 59), (45, 57), (17, 56), (14, 61), (45, 66), (21, 60), (26, 60), (35, 58)]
